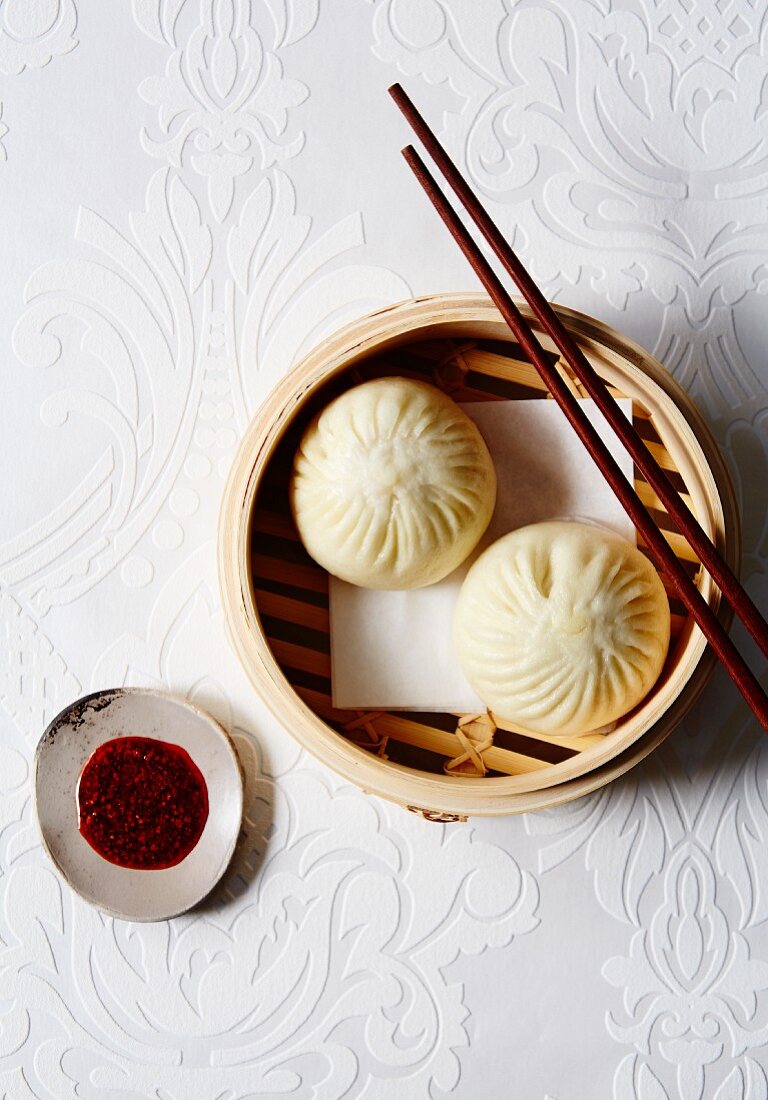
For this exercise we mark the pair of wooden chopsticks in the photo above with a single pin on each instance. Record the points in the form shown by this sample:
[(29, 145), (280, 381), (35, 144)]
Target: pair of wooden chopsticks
[(686, 523)]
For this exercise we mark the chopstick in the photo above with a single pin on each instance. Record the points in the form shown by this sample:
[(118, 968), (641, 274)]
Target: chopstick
[(656, 544), (685, 521)]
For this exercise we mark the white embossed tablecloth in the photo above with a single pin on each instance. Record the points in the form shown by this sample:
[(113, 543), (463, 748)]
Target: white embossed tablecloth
[(192, 192)]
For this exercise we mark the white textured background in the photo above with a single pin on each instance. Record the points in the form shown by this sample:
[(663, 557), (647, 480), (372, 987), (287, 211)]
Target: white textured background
[(192, 192)]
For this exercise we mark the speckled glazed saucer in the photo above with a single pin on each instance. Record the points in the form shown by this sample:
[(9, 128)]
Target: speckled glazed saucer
[(66, 745)]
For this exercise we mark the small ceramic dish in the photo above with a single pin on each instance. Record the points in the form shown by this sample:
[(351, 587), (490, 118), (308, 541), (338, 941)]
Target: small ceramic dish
[(66, 745)]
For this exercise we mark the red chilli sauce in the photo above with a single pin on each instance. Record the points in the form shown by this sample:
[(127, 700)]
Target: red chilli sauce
[(142, 803)]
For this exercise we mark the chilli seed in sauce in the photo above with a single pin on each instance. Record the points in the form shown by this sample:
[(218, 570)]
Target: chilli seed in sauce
[(142, 803)]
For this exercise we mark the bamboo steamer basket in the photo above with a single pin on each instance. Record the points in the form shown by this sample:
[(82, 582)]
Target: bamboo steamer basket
[(448, 766)]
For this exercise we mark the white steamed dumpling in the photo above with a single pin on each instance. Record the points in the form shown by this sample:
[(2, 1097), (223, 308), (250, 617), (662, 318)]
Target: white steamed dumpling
[(392, 485), (562, 627)]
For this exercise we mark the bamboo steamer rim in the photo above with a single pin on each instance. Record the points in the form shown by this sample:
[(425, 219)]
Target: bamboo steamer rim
[(685, 435)]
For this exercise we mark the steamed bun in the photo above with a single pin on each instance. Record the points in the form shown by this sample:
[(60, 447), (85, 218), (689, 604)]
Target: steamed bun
[(392, 485), (561, 627)]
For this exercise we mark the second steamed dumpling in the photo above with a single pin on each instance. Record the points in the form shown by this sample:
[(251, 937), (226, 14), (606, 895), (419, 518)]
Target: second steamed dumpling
[(562, 627), (392, 485)]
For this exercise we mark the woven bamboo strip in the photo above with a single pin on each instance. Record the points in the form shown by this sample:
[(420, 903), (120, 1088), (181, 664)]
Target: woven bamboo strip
[(290, 655), (273, 523), (570, 380), (678, 544), (321, 704), (292, 611), (506, 370), (650, 500), (310, 577), (420, 736), (661, 455)]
